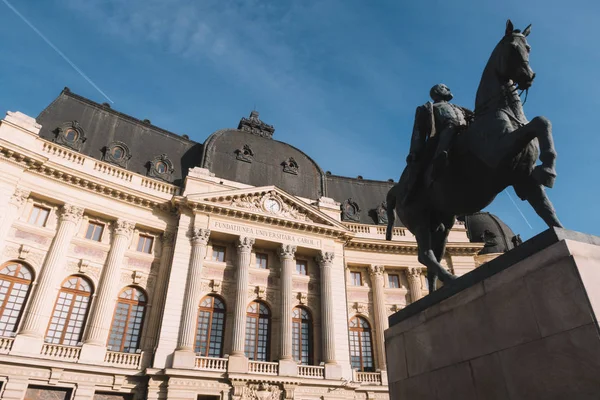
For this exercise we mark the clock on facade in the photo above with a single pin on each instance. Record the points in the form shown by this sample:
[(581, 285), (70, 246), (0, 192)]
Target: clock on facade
[(272, 205)]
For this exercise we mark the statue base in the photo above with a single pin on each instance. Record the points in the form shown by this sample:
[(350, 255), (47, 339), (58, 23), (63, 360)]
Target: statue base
[(523, 326)]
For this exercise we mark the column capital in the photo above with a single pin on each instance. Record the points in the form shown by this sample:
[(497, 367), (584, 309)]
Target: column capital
[(167, 238), (123, 227), (325, 258), (200, 236), (376, 270), (19, 197), (413, 273), (244, 244), (287, 251), (71, 213)]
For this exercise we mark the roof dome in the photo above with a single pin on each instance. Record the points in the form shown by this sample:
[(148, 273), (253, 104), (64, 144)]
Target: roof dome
[(489, 229)]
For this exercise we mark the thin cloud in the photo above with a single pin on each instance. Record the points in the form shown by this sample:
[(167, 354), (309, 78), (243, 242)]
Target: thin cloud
[(56, 49)]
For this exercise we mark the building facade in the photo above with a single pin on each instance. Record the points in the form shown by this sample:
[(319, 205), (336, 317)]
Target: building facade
[(136, 263)]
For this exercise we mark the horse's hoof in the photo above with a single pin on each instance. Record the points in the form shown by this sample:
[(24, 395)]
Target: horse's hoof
[(544, 175)]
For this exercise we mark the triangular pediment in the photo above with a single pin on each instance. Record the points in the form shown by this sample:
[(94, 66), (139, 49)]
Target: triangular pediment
[(268, 201)]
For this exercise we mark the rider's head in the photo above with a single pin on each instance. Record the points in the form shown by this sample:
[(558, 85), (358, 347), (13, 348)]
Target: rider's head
[(440, 92)]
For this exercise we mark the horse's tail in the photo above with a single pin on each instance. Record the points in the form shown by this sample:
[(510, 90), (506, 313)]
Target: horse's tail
[(391, 214)]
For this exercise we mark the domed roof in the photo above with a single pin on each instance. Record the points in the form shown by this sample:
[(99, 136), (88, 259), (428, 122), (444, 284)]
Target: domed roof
[(489, 229), (248, 154)]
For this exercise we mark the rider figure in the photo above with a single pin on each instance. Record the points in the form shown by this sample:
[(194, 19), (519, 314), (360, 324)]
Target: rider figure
[(436, 125)]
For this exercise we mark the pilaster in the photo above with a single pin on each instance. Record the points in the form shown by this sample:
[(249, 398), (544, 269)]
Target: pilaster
[(238, 361), (11, 213), (381, 320), (413, 277), (98, 328), (184, 354), (36, 317)]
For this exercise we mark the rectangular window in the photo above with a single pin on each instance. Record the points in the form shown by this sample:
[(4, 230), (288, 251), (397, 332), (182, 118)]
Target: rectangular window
[(218, 253), (39, 216), (145, 244), (394, 281), (356, 278), (261, 260), (301, 267), (94, 231)]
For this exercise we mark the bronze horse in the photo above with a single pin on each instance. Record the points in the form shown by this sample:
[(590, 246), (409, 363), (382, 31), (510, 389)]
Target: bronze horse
[(499, 149)]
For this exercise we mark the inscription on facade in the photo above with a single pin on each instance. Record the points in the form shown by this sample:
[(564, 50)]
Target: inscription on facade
[(261, 233)]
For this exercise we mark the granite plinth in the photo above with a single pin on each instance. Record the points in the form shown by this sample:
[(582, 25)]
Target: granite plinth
[(522, 326)]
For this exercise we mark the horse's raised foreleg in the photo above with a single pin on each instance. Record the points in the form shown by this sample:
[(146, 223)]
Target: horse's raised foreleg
[(540, 128), (536, 196)]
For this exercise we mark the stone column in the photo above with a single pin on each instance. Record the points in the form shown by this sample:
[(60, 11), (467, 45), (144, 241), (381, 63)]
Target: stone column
[(413, 276), (325, 259), (184, 353), (238, 361), (286, 254), (98, 327), (381, 320), (38, 312), (11, 213), (158, 297)]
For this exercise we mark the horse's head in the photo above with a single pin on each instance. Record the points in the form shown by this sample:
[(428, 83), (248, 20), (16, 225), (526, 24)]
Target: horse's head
[(514, 57)]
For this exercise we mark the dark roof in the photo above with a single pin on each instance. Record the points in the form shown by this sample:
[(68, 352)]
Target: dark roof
[(264, 166), (367, 194), (272, 162), (102, 125), (488, 228)]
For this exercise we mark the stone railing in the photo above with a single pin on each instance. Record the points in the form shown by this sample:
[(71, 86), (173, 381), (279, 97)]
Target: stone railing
[(368, 378), (117, 172), (159, 186), (60, 352), (375, 231), (60, 151), (211, 364), (6, 345), (123, 360), (311, 371), (263, 367), (397, 231)]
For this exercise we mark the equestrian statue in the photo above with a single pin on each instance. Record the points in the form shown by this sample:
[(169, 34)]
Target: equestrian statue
[(460, 160)]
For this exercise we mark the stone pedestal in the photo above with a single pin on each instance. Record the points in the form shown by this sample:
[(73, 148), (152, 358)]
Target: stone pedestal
[(523, 326)]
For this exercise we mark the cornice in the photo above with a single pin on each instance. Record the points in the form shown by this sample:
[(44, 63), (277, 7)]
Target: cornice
[(40, 165), (410, 248)]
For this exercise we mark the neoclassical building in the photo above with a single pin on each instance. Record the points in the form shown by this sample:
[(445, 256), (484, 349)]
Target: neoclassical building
[(136, 263)]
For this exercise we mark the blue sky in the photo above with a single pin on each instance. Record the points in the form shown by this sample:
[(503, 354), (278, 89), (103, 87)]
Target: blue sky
[(340, 79)]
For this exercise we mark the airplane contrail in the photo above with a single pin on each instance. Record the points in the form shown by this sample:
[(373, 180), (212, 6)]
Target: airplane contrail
[(518, 209), (60, 53)]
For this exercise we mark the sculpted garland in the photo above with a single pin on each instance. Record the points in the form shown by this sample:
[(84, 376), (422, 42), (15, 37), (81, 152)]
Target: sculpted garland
[(475, 155)]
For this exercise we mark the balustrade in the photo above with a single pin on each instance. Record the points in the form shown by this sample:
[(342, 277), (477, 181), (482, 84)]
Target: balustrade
[(263, 367), (123, 360), (60, 352), (311, 371), (211, 364)]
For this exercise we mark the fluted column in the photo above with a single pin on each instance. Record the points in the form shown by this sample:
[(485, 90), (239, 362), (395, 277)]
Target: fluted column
[(11, 212), (193, 291), (286, 254), (42, 300), (158, 297), (381, 320), (413, 276), (244, 248), (108, 287), (325, 260)]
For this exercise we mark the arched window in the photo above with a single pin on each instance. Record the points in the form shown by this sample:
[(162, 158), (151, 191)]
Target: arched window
[(210, 327), (127, 321), (70, 312), (302, 336), (258, 331), (361, 349), (15, 279)]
